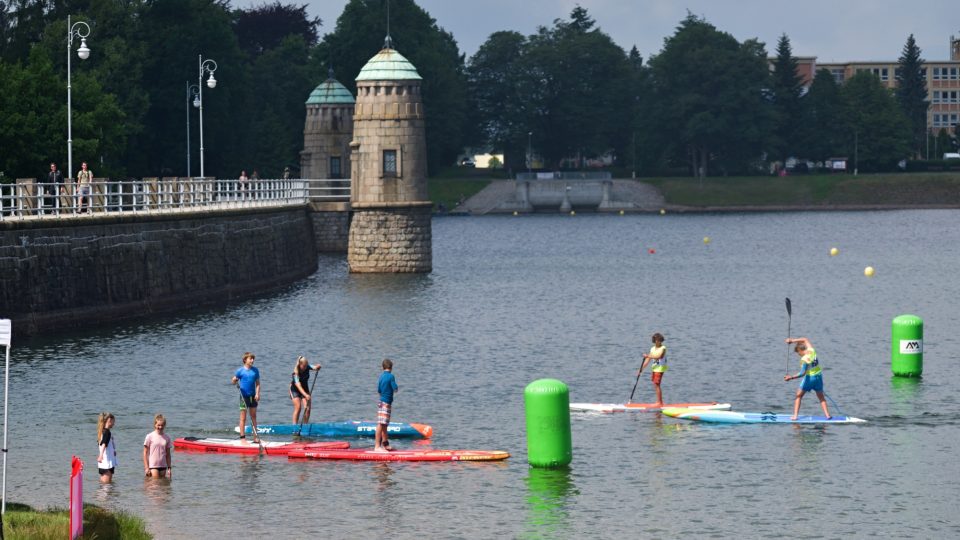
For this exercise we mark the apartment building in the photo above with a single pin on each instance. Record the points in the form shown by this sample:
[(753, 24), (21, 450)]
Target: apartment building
[(943, 82)]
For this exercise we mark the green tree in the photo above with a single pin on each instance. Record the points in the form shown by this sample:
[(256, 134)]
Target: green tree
[(786, 92), (823, 128), (32, 130), (493, 78), (912, 92), (709, 97), (283, 75), (432, 50), (262, 28), (880, 132), (576, 80)]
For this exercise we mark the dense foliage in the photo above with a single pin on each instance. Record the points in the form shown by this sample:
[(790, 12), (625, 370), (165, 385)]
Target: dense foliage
[(566, 94)]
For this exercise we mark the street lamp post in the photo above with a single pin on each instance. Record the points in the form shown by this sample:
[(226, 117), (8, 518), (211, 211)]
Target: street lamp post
[(206, 66), (82, 30), (194, 92)]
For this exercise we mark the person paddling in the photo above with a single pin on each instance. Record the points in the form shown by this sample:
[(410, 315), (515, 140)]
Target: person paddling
[(811, 373), (658, 356), (386, 386), (247, 378), (300, 389)]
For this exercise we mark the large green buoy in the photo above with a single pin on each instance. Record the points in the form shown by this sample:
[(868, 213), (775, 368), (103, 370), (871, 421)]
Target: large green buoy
[(547, 405), (906, 352)]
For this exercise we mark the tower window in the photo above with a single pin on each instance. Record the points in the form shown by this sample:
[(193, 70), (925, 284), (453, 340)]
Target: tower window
[(390, 163), (335, 171)]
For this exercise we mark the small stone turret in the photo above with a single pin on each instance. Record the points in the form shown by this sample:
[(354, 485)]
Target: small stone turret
[(390, 230), (327, 132)]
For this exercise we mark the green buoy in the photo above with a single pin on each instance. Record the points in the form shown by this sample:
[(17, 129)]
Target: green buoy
[(547, 404), (906, 351)]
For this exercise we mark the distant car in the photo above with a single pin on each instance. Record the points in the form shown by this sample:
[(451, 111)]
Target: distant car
[(951, 155), (468, 162)]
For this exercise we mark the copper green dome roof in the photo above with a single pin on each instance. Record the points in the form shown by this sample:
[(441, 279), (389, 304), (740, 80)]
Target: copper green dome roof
[(388, 65), (330, 92)]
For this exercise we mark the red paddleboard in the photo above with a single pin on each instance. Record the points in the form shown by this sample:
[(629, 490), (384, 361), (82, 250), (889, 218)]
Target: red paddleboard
[(400, 455), (239, 446)]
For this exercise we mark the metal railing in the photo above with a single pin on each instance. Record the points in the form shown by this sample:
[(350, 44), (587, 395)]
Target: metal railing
[(28, 199), (565, 175)]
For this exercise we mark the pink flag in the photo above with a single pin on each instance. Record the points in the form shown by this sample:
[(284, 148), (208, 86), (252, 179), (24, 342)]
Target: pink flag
[(76, 498)]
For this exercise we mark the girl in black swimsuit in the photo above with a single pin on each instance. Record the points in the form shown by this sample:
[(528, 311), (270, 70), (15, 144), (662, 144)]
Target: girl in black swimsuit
[(300, 389)]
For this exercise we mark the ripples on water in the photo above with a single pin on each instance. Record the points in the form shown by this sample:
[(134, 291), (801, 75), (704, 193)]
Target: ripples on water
[(515, 299)]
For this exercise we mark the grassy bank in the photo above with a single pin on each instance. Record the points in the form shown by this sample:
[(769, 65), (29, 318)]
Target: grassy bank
[(451, 184), (813, 190), (22, 522)]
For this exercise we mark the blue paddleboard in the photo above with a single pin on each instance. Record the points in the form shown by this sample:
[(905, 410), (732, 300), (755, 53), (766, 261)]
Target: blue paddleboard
[(734, 417), (343, 429)]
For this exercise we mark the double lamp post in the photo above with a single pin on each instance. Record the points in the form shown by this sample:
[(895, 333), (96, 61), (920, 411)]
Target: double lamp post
[(81, 30)]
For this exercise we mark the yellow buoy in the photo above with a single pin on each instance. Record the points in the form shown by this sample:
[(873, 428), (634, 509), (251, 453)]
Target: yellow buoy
[(514, 212), (662, 211), (621, 212), (834, 251), (868, 271), (573, 212), (706, 239)]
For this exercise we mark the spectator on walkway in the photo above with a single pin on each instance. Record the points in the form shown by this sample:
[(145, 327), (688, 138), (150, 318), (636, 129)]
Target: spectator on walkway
[(53, 188), (85, 187)]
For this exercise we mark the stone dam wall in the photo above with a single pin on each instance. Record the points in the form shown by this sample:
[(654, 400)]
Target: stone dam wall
[(89, 270)]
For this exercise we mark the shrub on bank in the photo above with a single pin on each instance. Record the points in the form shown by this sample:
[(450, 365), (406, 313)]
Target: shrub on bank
[(22, 522)]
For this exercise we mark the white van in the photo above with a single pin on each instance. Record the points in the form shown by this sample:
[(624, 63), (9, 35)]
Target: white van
[(951, 155)]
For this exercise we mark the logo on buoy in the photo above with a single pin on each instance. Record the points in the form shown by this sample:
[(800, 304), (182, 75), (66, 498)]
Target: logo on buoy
[(911, 346)]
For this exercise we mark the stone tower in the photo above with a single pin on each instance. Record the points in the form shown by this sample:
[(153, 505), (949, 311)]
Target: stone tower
[(327, 132), (390, 231)]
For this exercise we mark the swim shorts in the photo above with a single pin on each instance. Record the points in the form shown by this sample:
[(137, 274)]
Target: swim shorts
[(656, 377), (247, 402), (814, 383), (383, 413)]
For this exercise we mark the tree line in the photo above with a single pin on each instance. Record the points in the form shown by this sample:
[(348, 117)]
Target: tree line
[(705, 104)]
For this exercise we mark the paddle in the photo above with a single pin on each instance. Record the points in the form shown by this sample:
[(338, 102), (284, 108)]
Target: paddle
[(253, 423), (789, 317), (639, 371), (303, 415)]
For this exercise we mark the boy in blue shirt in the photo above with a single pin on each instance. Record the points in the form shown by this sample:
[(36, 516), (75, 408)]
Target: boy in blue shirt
[(386, 386), (247, 378)]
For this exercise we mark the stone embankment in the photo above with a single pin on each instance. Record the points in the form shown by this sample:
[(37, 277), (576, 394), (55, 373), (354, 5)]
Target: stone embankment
[(508, 196)]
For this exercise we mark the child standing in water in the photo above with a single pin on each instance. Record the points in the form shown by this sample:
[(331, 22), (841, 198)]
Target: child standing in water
[(386, 386), (107, 458), (657, 355), (811, 373), (156, 451)]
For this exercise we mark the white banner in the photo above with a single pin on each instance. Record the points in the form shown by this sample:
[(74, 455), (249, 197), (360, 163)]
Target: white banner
[(911, 346), (6, 328)]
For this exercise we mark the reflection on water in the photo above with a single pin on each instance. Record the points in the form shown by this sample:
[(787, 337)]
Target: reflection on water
[(158, 491), (106, 494), (549, 493), (382, 471), (904, 393)]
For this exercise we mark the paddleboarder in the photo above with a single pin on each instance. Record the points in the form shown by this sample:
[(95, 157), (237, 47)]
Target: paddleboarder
[(247, 378), (300, 389), (386, 386), (811, 373), (658, 356)]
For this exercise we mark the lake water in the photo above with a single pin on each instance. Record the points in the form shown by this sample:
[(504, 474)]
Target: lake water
[(514, 299)]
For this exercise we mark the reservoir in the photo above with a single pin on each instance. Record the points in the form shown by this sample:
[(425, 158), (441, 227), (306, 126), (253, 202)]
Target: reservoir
[(514, 299)]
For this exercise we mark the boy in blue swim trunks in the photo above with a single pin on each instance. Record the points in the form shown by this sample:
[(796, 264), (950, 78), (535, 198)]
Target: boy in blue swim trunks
[(811, 373), (386, 386)]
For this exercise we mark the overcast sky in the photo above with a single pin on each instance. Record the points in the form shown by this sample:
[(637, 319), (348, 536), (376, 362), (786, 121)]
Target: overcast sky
[(831, 30)]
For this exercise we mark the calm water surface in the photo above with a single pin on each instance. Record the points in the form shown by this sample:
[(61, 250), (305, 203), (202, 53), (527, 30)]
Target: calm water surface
[(511, 300)]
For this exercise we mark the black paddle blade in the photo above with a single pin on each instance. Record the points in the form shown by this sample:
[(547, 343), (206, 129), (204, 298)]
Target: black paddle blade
[(789, 309)]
